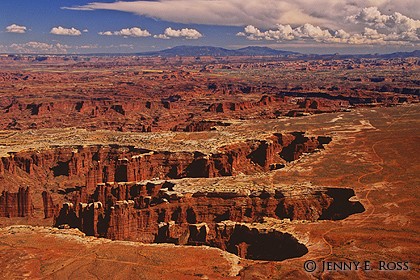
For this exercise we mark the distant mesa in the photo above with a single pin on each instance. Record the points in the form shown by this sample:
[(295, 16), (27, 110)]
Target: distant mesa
[(211, 51), (265, 51), (217, 51), (415, 53)]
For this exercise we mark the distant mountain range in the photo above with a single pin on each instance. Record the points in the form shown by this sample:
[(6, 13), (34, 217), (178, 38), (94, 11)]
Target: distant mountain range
[(415, 53), (264, 51), (216, 51), (197, 51)]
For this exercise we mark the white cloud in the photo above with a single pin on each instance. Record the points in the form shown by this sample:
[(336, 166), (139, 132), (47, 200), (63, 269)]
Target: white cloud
[(127, 32), (312, 32), (396, 22), (161, 36), (287, 33), (65, 31), (39, 47), (328, 21), (228, 12), (283, 32), (262, 14), (309, 32), (106, 33), (389, 28), (186, 33), (58, 48), (14, 28), (86, 47), (377, 28)]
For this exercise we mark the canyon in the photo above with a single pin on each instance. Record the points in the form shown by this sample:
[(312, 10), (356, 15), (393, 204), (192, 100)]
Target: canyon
[(104, 204), (16, 204), (160, 94), (225, 168), (154, 213), (90, 165)]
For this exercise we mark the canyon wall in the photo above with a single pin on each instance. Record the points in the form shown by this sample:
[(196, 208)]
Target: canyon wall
[(154, 213), (90, 165), (16, 204), (114, 199), (149, 212)]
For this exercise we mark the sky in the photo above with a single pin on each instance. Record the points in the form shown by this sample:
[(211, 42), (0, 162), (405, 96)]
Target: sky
[(307, 26)]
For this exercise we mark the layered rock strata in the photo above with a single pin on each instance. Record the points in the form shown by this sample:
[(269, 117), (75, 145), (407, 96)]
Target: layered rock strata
[(153, 212), (90, 165), (16, 204)]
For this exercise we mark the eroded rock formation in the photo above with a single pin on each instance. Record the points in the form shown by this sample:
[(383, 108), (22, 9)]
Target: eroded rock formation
[(16, 204), (50, 209), (90, 165), (244, 105), (200, 126), (153, 212)]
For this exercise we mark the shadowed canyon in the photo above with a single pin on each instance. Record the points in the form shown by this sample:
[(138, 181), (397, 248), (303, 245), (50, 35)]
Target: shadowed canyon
[(208, 168)]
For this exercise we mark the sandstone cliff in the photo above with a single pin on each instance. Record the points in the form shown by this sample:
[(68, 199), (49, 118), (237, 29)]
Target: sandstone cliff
[(90, 165), (151, 212), (16, 204)]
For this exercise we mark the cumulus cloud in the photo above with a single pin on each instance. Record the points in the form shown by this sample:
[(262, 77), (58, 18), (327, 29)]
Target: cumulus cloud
[(395, 22), (287, 33), (14, 28), (35, 47), (127, 32), (39, 47), (283, 32), (106, 33), (186, 33), (377, 28), (262, 14), (396, 25), (65, 31), (86, 47), (309, 32), (346, 21)]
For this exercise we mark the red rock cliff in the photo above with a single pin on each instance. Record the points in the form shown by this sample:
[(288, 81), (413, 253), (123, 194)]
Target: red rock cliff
[(100, 164), (16, 204), (152, 212)]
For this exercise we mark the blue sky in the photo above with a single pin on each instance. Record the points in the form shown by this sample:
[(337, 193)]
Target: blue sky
[(309, 26)]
